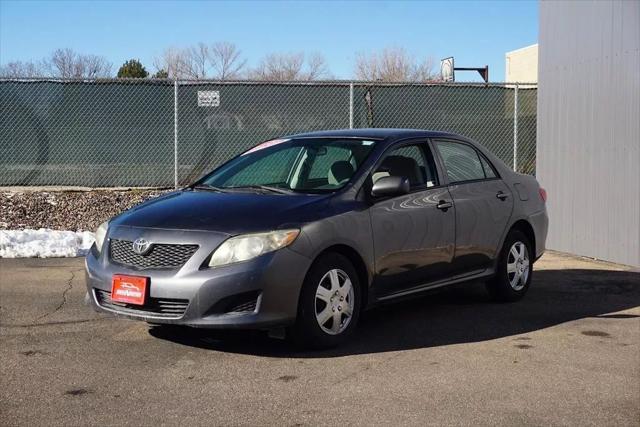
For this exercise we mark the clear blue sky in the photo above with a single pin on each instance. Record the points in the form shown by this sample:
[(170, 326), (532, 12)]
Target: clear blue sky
[(474, 32)]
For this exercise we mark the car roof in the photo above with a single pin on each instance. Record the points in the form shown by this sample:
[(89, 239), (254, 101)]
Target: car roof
[(378, 133)]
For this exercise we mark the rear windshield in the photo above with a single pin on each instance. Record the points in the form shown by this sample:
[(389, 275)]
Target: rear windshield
[(313, 165)]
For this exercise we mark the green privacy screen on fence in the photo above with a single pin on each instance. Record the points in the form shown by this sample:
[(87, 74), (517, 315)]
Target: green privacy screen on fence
[(110, 133)]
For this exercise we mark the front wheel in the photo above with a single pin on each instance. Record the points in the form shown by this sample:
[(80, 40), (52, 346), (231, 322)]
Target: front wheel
[(514, 269), (329, 304)]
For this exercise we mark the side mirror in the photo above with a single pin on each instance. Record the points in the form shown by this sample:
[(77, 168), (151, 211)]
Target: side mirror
[(388, 186)]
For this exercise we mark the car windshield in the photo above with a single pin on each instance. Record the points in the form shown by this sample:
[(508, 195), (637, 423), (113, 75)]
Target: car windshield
[(308, 165)]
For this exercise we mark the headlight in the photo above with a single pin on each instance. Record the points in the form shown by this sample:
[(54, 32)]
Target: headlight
[(248, 246), (101, 232)]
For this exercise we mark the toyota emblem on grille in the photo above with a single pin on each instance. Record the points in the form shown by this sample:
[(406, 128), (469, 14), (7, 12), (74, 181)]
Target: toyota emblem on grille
[(141, 246)]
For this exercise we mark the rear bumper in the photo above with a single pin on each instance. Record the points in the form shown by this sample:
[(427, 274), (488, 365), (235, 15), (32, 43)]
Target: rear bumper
[(540, 223), (268, 285)]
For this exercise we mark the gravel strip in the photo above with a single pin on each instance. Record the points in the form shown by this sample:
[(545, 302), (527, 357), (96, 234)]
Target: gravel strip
[(67, 210)]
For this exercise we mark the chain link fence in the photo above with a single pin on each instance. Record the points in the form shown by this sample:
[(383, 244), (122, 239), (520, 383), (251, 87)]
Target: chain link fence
[(162, 133)]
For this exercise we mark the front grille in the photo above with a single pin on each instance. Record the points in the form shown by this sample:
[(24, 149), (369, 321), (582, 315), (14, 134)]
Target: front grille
[(168, 308), (159, 256)]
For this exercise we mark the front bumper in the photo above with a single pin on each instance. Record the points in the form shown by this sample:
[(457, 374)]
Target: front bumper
[(272, 281)]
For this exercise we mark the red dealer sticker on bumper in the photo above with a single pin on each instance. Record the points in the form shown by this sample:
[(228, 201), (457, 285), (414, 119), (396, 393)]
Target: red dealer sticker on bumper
[(129, 289)]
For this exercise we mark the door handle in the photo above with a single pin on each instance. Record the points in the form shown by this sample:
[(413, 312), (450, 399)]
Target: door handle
[(501, 195), (444, 205)]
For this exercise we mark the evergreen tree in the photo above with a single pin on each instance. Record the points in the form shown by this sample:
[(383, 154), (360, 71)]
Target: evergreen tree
[(132, 69)]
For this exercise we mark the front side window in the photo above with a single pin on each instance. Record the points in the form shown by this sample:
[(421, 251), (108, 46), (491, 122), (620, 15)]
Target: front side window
[(314, 165), (413, 162), (461, 161)]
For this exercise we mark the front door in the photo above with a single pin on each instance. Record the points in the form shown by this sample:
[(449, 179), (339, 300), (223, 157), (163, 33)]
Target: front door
[(413, 233)]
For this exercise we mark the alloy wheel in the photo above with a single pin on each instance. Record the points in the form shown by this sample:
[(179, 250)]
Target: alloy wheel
[(518, 266), (334, 302)]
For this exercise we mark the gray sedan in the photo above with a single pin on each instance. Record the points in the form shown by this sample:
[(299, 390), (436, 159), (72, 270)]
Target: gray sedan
[(300, 234)]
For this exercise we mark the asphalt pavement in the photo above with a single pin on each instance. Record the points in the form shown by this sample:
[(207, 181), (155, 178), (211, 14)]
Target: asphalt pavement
[(568, 354)]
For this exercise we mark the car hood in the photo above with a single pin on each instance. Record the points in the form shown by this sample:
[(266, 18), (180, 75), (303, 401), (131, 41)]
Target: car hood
[(231, 213)]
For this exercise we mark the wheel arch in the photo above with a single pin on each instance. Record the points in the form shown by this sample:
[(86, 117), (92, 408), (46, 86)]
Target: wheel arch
[(526, 228), (358, 263)]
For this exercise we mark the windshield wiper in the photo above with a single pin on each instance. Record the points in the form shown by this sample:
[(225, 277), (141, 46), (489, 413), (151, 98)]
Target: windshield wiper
[(261, 187), (208, 188)]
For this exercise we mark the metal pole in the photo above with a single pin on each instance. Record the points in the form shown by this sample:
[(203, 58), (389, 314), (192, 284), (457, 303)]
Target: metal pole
[(515, 129), (350, 105), (175, 133)]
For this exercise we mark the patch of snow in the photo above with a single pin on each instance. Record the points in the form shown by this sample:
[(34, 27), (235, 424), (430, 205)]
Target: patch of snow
[(51, 199), (44, 243)]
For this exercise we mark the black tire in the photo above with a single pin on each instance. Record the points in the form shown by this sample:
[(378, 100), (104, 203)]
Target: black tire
[(500, 287), (307, 330)]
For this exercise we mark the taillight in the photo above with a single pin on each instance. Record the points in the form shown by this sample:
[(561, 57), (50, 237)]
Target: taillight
[(543, 194)]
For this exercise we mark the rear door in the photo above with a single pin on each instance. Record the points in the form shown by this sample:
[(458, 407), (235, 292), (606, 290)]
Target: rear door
[(413, 233), (483, 204)]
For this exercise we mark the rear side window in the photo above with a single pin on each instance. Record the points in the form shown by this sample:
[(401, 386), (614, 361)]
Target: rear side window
[(488, 169), (461, 161)]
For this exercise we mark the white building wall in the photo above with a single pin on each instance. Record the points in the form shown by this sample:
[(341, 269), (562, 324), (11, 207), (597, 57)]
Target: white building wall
[(588, 138)]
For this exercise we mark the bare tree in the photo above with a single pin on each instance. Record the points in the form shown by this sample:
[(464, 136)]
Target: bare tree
[(221, 61), (19, 69), (62, 63), (279, 67), (317, 67), (196, 61), (65, 63), (394, 64), (174, 62), (93, 66), (290, 66), (226, 61)]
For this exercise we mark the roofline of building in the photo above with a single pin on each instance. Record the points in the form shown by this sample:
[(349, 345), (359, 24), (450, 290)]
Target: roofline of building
[(522, 48)]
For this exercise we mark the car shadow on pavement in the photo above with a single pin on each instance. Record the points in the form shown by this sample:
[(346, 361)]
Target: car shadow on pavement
[(459, 314)]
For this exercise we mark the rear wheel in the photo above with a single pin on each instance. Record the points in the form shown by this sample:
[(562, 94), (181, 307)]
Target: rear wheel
[(329, 304), (514, 269)]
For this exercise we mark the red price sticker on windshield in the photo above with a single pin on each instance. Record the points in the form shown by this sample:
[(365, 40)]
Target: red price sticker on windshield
[(265, 144)]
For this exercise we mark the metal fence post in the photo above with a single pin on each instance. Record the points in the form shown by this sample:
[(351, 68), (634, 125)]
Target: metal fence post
[(515, 129), (175, 133), (351, 105)]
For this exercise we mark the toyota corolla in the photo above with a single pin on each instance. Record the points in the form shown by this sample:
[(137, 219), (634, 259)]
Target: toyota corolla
[(301, 234)]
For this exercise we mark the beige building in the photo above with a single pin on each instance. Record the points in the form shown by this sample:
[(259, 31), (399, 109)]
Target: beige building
[(521, 65)]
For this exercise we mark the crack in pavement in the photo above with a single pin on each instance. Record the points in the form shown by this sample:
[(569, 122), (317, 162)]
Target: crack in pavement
[(64, 322), (64, 298)]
